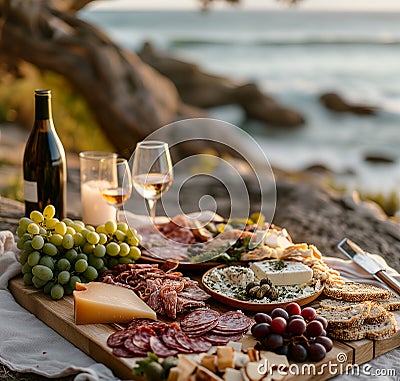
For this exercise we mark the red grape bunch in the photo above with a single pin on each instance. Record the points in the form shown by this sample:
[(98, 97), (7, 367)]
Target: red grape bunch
[(299, 334)]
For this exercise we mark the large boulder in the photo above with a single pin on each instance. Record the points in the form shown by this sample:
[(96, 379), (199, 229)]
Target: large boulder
[(201, 89), (335, 102)]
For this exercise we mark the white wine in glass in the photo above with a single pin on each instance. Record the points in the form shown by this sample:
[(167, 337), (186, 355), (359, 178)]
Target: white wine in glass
[(115, 182), (152, 172)]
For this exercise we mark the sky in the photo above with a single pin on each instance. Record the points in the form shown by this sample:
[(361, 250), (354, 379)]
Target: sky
[(340, 5)]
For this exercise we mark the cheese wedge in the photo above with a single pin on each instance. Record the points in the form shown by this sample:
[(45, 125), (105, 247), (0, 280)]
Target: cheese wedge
[(282, 272), (97, 302)]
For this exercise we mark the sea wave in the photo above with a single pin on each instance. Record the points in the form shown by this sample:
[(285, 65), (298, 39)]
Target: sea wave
[(318, 41)]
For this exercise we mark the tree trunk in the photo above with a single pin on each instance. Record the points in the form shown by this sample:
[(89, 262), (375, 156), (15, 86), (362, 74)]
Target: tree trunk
[(128, 98)]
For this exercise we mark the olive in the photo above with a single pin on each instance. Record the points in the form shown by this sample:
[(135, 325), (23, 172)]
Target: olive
[(273, 293), (154, 371), (251, 285), (265, 281), (253, 291), (265, 289), (169, 363)]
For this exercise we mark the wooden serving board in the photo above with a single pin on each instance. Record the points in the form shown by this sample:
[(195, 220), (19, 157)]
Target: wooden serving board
[(91, 338)]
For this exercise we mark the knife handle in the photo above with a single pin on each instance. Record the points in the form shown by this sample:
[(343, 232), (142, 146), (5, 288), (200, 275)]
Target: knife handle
[(389, 280)]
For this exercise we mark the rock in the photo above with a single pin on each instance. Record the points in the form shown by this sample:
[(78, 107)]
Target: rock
[(379, 159), (201, 89), (335, 102), (316, 215)]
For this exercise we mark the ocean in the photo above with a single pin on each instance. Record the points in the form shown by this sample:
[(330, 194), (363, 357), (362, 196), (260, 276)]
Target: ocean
[(294, 55)]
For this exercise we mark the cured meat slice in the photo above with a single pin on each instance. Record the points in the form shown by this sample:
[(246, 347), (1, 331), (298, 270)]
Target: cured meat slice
[(181, 235), (199, 318), (117, 338), (170, 265), (139, 322), (198, 330), (169, 337), (199, 345), (185, 304), (123, 352), (170, 299), (141, 337), (129, 345), (194, 292), (226, 332), (155, 302), (160, 349), (233, 321), (220, 339)]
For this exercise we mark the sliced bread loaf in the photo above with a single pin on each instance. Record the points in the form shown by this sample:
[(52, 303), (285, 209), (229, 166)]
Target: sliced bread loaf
[(345, 316), (376, 315), (379, 331), (356, 292), (391, 304)]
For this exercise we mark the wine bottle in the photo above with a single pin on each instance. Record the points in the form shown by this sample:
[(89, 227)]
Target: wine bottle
[(44, 166)]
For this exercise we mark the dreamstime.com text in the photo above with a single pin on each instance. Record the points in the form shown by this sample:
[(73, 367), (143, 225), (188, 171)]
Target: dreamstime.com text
[(330, 367)]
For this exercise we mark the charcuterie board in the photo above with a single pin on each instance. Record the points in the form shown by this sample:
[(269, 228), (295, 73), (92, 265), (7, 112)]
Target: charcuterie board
[(91, 338)]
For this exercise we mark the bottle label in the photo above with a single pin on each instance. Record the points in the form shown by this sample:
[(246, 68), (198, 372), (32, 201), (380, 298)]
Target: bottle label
[(30, 191)]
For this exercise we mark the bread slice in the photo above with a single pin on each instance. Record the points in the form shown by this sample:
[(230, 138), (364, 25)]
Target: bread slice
[(391, 304), (379, 331), (356, 292), (376, 315), (345, 316)]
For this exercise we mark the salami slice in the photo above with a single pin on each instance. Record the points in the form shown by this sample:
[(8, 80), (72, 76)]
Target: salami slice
[(198, 331), (169, 337), (139, 322), (160, 349), (141, 338), (117, 338), (123, 352), (130, 346), (199, 345), (199, 318), (221, 340), (226, 332), (233, 321)]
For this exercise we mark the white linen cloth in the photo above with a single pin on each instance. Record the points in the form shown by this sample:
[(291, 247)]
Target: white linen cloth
[(29, 345)]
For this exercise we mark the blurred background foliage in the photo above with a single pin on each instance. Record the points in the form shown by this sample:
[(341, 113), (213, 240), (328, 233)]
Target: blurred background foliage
[(72, 118)]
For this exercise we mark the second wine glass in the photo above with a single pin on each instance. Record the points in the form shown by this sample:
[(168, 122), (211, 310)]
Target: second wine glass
[(115, 181), (152, 172)]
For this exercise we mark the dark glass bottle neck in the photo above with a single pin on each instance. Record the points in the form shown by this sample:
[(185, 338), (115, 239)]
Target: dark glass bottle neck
[(43, 106)]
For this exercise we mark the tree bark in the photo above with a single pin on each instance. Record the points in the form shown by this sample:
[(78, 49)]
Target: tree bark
[(128, 98)]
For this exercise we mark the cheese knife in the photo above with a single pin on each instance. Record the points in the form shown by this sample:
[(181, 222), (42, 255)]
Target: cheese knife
[(369, 264)]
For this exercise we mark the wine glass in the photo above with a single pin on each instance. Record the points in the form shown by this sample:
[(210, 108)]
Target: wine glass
[(115, 182), (152, 172)]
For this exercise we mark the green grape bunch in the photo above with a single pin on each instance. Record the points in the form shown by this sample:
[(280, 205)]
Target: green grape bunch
[(58, 254)]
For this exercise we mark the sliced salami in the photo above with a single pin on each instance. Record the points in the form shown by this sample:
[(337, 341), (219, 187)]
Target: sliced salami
[(140, 322), (233, 321), (130, 346), (141, 337), (199, 345), (198, 331), (226, 333), (117, 338), (199, 318), (160, 349), (169, 337), (220, 339), (123, 352)]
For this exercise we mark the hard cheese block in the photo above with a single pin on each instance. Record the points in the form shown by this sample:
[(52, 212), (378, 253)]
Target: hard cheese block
[(97, 302), (282, 272)]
